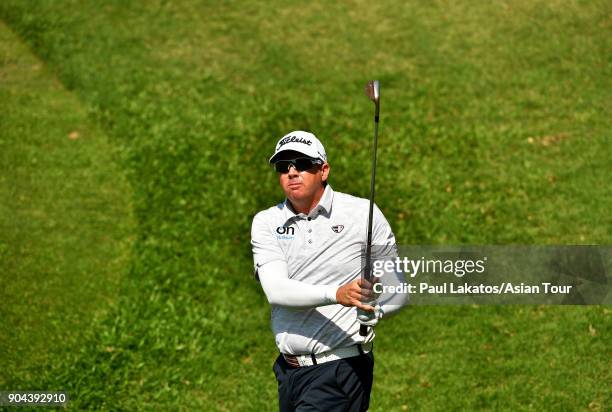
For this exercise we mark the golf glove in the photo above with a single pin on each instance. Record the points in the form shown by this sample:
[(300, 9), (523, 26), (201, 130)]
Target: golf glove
[(370, 318)]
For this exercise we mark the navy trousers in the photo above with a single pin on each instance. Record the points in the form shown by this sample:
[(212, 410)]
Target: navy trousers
[(342, 385)]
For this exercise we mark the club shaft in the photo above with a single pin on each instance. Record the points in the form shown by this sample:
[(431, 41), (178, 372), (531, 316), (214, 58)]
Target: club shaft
[(368, 271), (367, 274)]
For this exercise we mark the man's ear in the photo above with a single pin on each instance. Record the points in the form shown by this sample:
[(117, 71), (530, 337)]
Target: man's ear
[(325, 168)]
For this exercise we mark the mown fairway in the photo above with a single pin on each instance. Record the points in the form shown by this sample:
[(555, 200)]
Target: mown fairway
[(495, 129)]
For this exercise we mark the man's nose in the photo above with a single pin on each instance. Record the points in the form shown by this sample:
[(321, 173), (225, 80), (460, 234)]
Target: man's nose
[(292, 170)]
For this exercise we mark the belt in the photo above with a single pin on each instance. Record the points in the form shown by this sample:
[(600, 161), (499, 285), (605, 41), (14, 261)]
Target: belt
[(331, 355)]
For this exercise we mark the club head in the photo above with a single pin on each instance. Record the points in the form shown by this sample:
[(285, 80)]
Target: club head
[(372, 90)]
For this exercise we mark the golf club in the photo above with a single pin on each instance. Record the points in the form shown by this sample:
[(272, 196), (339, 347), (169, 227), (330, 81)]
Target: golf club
[(372, 90)]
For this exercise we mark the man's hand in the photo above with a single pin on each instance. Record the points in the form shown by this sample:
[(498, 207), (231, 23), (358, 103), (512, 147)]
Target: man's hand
[(355, 293), (371, 318)]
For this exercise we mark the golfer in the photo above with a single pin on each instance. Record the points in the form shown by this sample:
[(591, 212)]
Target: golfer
[(308, 253)]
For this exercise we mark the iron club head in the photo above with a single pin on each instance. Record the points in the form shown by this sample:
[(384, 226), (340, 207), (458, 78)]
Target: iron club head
[(372, 90)]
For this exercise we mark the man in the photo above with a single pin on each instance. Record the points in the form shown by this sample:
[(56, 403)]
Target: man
[(308, 254)]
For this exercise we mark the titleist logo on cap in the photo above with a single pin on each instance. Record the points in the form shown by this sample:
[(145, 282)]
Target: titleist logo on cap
[(293, 139)]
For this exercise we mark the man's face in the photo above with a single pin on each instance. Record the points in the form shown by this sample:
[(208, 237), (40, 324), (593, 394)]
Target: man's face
[(302, 186)]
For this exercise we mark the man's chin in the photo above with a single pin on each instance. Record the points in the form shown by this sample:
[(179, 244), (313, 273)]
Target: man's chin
[(296, 195)]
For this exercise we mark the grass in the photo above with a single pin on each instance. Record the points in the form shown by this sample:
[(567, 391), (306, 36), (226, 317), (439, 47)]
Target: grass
[(495, 130), (65, 219)]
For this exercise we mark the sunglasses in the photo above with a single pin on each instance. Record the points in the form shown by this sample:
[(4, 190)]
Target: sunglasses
[(301, 164)]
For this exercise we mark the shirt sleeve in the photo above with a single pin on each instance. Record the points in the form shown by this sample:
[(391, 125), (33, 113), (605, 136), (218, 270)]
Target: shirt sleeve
[(282, 291), (264, 243), (391, 303), (384, 248), (383, 239)]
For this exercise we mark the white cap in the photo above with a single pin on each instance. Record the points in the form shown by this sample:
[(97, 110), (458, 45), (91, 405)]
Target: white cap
[(300, 141)]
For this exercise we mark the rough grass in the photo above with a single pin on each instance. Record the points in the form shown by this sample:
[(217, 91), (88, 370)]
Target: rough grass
[(495, 129)]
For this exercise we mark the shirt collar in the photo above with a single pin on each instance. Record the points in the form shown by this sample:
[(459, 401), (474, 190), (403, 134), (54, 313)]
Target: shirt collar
[(324, 206)]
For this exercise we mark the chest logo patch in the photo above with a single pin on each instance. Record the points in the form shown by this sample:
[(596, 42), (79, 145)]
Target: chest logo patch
[(285, 233), (337, 228), (285, 230)]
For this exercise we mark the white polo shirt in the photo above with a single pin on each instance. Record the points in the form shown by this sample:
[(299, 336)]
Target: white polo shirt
[(324, 247)]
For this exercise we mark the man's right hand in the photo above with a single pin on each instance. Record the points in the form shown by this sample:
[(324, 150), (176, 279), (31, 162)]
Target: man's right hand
[(355, 293)]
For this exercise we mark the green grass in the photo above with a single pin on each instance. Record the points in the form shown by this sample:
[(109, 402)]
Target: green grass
[(495, 129), (64, 216)]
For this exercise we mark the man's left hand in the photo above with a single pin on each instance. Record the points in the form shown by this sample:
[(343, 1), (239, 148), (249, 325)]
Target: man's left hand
[(370, 318)]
